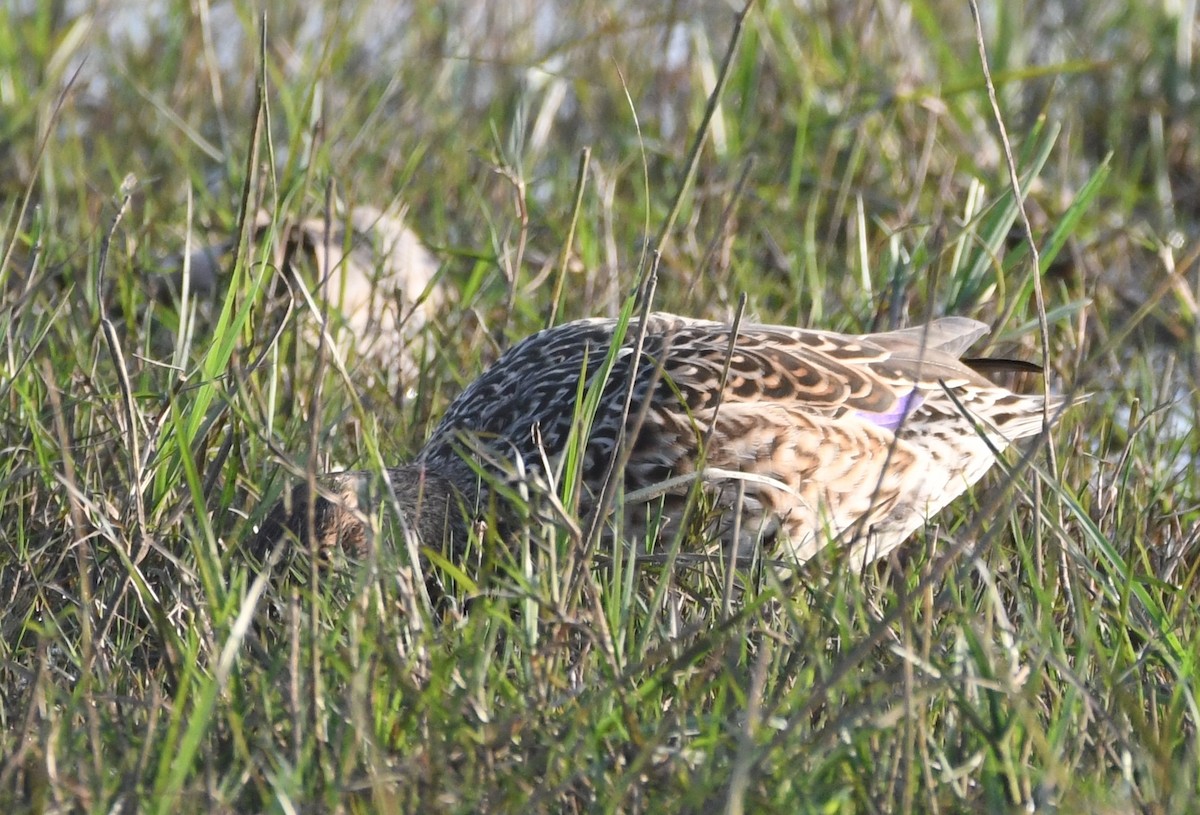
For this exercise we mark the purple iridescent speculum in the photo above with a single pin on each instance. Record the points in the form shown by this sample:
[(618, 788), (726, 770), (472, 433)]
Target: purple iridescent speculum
[(892, 419)]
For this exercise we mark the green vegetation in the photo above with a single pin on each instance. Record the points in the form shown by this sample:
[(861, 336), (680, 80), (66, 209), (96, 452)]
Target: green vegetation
[(1033, 648)]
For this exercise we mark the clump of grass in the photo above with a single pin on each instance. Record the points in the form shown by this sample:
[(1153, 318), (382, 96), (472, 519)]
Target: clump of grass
[(1030, 649)]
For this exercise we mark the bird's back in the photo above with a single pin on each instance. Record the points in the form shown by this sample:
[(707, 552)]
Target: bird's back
[(818, 436)]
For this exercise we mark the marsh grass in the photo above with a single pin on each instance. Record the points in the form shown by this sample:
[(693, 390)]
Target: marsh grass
[(1032, 648)]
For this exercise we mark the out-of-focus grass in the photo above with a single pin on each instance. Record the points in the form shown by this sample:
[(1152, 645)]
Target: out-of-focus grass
[(851, 179)]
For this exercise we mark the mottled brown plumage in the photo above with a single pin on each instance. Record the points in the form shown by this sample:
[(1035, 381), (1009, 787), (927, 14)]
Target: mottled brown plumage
[(819, 438)]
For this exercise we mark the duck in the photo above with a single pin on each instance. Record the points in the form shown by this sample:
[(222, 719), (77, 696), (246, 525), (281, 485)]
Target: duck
[(802, 441), (372, 274)]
